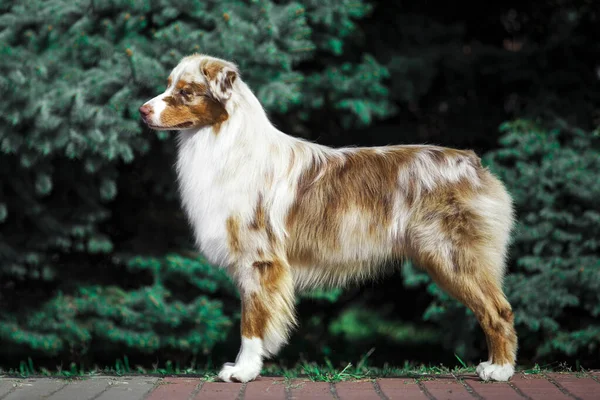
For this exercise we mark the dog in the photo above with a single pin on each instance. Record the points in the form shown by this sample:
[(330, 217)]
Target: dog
[(283, 214)]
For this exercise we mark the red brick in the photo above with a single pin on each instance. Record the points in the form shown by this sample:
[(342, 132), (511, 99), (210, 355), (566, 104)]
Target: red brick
[(583, 387), (356, 391), (491, 390), (219, 391), (305, 389), (266, 389), (401, 388), (174, 388), (537, 387), (446, 388)]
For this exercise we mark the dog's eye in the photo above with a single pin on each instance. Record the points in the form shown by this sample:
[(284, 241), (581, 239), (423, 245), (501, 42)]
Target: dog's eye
[(185, 93)]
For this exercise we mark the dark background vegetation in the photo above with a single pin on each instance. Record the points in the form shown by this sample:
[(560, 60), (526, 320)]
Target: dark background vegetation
[(96, 260)]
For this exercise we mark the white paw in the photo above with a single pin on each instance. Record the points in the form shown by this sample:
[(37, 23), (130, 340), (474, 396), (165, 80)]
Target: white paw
[(239, 372), (495, 372), (481, 366)]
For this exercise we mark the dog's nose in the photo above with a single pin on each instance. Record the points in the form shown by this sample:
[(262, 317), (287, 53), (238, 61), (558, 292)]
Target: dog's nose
[(145, 110)]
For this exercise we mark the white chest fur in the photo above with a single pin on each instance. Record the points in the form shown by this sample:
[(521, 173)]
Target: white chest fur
[(221, 176), (209, 191)]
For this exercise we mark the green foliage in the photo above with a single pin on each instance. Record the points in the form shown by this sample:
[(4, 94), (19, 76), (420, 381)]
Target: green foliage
[(554, 280), (360, 324), (330, 295), (148, 319), (553, 176), (344, 87)]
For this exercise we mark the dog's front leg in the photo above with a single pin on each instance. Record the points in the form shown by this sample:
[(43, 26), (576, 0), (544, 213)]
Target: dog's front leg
[(267, 292)]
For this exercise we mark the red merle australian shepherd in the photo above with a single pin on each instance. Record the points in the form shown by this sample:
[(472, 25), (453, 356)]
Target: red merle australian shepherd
[(282, 214)]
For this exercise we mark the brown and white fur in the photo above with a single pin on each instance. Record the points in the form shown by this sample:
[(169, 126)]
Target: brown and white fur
[(283, 214)]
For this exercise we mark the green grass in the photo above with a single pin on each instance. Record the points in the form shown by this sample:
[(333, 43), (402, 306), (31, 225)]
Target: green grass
[(121, 367), (328, 373), (316, 372)]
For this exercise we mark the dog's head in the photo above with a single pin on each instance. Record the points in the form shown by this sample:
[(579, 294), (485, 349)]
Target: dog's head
[(197, 91)]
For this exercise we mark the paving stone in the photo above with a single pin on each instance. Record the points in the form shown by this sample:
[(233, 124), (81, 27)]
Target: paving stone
[(81, 389), (6, 385), (128, 388), (583, 387), (266, 389), (491, 390), (302, 389), (537, 387), (174, 388), (356, 391), (31, 389), (446, 388), (219, 391), (401, 388)]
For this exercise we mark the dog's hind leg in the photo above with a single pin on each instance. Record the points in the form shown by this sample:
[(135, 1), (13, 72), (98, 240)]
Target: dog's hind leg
[(267, 293), (463, 249)]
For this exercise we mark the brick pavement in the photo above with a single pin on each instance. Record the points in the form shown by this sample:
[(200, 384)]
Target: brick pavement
[(552, 386)]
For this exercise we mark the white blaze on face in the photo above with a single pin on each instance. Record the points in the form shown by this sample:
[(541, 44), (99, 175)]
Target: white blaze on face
[(158, 105)]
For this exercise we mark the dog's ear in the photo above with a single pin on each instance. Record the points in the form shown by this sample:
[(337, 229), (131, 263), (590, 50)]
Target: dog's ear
[(220, 77)]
